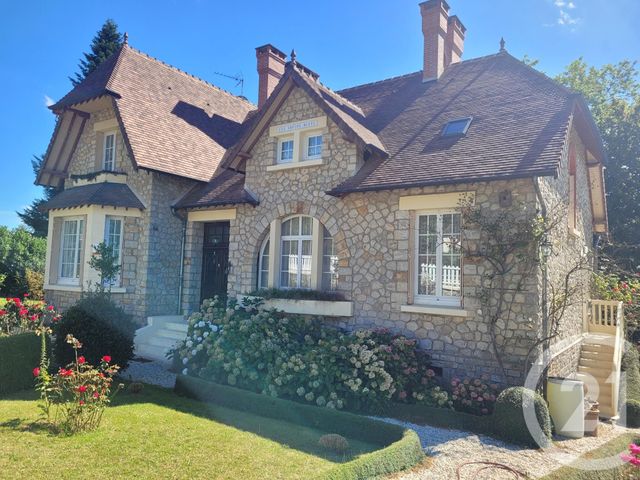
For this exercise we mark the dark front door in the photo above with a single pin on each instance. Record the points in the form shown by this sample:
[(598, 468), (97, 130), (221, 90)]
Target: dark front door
[(215, 260)]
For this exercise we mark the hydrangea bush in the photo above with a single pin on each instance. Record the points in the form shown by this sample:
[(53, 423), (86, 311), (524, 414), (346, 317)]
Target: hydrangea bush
[(474, 395), (293, 357)]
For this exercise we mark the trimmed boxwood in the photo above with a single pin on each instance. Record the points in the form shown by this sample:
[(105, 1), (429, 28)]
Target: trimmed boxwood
[(631, 410), (509, 421), (19, 355), (442, 417), (400, 448)]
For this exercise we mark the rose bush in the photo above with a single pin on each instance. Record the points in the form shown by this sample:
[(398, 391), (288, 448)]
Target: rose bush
[(74, 398), (22, 315), (293, 357), (626, 290)]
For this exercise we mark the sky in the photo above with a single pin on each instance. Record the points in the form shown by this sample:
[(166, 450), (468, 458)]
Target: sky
[(348, 42)]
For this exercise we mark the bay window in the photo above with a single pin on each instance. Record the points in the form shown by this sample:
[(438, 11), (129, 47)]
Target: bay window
[(438, 262), (113, 238), (71, 251)]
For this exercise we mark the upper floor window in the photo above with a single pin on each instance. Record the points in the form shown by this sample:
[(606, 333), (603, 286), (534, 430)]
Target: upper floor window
[(109, 152), (286, 151), (314, 146), (71, 250), (438, 259)]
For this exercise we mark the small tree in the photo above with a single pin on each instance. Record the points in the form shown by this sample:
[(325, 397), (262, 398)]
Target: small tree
[(105, 261)]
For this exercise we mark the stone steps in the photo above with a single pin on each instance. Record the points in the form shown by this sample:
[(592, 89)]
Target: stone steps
[(159, 336)]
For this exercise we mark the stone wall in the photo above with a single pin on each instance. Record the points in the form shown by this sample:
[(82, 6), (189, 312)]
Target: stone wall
[(151, 243), (371, 236)]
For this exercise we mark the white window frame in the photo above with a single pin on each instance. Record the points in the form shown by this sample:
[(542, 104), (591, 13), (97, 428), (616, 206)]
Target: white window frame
[(281, 143), (264, 253), (307, 146), (333, 263), (107, 232), (78, 251), (299, 238), (112, 168), (438, 299)]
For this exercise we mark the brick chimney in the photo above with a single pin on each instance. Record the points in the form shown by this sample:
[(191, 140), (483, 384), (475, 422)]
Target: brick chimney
[(443, 38), (271, 63)]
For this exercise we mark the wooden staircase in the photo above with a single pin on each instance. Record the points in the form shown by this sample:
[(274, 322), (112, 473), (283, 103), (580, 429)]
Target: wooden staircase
[(601, 355)]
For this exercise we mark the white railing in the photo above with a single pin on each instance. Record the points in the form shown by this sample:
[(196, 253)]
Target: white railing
[(605, 315), (450, 275)]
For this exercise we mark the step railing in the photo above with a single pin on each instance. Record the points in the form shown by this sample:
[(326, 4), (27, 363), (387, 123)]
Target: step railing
[(607, 317)]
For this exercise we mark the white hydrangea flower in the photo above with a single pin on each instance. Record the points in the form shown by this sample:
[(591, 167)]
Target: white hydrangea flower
[(184, 372), (194, 351), (185, 360), (214, 328), (205, 334), (189, 344)]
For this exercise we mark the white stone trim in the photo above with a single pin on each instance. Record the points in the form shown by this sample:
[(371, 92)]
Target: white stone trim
[(212, 215), (102, 177), (106, 125), (436, 311), (287, 166), (326, 308), (436, 201)]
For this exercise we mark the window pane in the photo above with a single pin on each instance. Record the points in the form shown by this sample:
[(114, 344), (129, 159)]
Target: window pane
[(113, 238), (307, 226), (295, 226), (314, 146), (427, 270), (71, 241), (109, 151), (329, 263), (286, 151), (286, 228)]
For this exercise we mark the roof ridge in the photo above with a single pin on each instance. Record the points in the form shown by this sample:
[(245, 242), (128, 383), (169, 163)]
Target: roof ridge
[(187, 74), (378, 81)]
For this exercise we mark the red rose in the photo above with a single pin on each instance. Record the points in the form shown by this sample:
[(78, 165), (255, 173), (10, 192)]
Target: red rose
[(81, 360), (81, 402), (50, 308), (82, 388), (96, 395), (36, 372), (25, 295), (23, 312), (33, 317), (65, 373), (3, 312), (106, 358)]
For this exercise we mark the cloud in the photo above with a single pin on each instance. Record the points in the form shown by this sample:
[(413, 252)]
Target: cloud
[(565, 18), (48, 101)]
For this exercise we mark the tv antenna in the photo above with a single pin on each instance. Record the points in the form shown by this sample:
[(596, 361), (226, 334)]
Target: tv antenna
[(238, 78)]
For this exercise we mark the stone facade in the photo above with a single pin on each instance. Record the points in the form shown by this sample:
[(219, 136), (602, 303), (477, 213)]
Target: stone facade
[(151, 242), (372, 241)]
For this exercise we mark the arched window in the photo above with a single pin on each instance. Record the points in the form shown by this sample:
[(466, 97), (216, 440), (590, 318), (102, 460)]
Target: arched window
[(305, 256)]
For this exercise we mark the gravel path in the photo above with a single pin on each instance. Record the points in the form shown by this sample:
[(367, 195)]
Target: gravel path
[(451, 448), (154, 373)]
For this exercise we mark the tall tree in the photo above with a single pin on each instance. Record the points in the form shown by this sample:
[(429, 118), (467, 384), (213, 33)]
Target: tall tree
[(104, 44), (613, 94)]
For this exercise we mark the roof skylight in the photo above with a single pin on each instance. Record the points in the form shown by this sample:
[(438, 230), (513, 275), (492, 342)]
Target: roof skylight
[(456, 127)]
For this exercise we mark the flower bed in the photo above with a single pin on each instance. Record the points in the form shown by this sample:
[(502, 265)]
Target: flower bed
[(301, 359), (401, 447)]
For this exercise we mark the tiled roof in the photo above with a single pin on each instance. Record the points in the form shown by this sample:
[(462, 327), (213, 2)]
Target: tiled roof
[(103, 193), (227, 188), (520, 121), (174, 122)]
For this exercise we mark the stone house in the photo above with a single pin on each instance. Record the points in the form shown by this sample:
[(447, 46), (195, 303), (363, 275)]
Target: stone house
[(354, 192)]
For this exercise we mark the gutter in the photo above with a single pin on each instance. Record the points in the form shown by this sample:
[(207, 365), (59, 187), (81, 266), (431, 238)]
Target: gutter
[(183, 245)]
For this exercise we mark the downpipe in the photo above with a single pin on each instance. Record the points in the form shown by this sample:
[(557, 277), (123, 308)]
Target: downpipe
[(183, 244)]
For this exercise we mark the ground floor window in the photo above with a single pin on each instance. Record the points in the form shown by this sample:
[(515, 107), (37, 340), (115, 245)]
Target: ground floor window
[(305, 256), (438, 259), (113, 238), (71, 250)]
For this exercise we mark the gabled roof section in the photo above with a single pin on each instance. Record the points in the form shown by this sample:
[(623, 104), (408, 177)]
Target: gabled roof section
[(347, 115), (520, 124), (102, 194), (227, 188), (173, 122)]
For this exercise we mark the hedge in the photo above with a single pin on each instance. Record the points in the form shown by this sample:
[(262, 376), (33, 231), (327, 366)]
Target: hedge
[(19, 355), (442, 417), (401, 448), (612, 448)]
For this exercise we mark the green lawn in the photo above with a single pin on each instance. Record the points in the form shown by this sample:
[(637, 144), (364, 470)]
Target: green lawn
[(157, 434)]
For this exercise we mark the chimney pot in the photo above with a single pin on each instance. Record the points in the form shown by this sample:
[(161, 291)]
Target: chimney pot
[(271, 62)]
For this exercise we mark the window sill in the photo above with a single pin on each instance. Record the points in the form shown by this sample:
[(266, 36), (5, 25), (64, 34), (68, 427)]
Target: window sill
[(288, 166), (324, 308), (437, 311), (64, 287)]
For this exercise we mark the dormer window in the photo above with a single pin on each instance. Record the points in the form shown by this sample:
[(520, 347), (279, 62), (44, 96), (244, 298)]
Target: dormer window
[(456, 127), (314, 146), (109, 152)]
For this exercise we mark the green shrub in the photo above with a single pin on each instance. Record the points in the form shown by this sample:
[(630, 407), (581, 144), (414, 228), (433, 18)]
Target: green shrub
[(630, 365), (631, 408), (35, 283), (19, 355), (401, 450), (296, 294), (101, 326), (509, 420), (19, 250), (293, 357)]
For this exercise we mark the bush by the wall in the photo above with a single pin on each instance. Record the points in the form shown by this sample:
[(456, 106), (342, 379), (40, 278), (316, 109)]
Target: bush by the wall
[(101, 326), (401, 448), (35, 283), (19, 250), (297, 358), (509, 421), (19, 355), (631, 409), (631, 367)]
